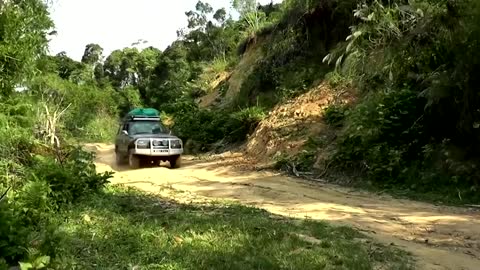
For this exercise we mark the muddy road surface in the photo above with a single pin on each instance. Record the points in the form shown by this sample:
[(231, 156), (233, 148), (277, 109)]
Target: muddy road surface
[(439, 237)]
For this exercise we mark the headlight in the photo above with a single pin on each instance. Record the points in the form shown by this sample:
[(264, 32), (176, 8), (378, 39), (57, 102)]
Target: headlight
[(143, 143), (176, 144)]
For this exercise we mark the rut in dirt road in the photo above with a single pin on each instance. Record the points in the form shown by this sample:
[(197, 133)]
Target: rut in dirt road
[(440, 237)]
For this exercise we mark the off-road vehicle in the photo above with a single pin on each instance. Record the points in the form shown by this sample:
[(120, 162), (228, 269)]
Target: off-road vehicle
[(143, 139)]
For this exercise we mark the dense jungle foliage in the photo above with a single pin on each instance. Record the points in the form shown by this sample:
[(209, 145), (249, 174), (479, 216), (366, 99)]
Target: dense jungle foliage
[(417, 122), (414, 127)]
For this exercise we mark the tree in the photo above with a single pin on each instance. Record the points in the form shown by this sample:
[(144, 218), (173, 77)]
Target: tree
[(100, 77), (220, 16), (198, 19), (92, 54), (121, 67), (66, 66), (249, 12), (205, 38), (131, 68), (24, 25), (170, 77), (244, 6), (145, 66)]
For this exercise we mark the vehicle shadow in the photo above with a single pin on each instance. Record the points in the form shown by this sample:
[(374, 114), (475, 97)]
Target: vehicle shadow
[(125, 167)]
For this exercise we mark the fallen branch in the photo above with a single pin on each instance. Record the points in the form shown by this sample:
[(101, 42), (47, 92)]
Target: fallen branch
[(325, 170), (294, 170)]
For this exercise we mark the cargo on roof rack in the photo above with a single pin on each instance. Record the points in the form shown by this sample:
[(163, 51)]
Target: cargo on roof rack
[(143, 114)]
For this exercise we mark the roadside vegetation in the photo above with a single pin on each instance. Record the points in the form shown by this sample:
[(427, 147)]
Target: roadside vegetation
[(413, 128)]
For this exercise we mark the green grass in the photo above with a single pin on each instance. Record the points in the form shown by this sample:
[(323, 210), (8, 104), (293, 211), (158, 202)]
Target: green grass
[(123, 229)]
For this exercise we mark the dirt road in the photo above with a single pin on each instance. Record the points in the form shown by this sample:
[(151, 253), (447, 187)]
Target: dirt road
[(440, 237)]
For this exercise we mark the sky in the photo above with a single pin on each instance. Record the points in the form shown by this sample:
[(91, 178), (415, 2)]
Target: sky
[(116, 24)]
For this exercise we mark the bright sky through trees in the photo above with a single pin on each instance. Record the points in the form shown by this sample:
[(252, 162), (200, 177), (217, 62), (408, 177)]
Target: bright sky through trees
[(115, 24)]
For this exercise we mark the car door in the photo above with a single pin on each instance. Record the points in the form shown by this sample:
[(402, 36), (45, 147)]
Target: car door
[(122, 139)]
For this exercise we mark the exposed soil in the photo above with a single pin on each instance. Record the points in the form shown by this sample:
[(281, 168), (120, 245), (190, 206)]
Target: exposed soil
[(440, 237), (289, 125), (233, 79), (214, 95)]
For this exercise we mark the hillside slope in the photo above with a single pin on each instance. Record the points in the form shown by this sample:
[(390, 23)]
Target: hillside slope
[(226, 86), (414, 125), (289, 126)]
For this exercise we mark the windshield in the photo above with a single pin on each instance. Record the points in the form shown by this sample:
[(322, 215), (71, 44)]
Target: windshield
[(146, 127)]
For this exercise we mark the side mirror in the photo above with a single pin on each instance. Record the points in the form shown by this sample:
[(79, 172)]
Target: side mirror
[(124, 132)]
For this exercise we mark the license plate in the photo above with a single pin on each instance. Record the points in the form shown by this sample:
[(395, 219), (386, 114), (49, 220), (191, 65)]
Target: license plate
[(160, 151)]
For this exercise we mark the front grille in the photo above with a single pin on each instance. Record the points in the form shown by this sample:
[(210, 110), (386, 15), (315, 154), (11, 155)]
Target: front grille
[(160, 144)]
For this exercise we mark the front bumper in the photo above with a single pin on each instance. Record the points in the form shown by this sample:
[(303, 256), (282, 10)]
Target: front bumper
[(158, 150)]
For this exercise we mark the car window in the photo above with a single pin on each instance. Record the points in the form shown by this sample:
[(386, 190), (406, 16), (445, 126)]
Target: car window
[(146, 127)]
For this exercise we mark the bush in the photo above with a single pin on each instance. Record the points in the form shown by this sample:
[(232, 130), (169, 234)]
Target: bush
[(25, 212), (206, 127), (71, 178), (25, 223), (335, 114), (39, 181), (244, 122), (377, 134), (201, 125), (90, 112)]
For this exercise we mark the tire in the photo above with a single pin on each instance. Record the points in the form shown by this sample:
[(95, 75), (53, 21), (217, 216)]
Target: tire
[(133, 160), (119, 159), (175, 162)]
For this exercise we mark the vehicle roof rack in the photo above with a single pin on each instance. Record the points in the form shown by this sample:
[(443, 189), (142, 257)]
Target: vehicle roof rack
[(142, 117), (142, 114)]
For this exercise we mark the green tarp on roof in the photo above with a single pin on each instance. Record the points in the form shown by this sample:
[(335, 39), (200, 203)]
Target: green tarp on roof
[(144, 112)]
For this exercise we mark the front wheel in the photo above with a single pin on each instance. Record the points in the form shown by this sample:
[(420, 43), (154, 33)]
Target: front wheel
[(133, 160), (175, 162), (119, 159)]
